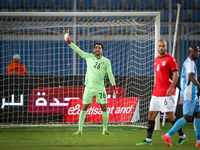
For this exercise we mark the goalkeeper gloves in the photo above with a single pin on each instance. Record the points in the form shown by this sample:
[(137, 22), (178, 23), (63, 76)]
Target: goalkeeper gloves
[(115, 92), (66, 37)]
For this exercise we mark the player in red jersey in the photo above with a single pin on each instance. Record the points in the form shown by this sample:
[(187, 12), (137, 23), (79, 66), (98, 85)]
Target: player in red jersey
[(166, 77)]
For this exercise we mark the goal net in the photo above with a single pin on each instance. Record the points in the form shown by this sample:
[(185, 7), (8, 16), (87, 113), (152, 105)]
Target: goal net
[(51, 92)]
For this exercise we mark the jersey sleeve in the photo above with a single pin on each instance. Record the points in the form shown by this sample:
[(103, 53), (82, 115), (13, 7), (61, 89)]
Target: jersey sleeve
[(190, 67), (173, 64), (110, 74), (78, 50)]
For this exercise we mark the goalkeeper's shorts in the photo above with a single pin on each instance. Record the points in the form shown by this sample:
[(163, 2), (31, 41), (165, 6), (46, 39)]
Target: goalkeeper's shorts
[(89, 94)]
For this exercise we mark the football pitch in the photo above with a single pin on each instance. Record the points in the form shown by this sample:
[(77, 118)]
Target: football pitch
[(62, 138)]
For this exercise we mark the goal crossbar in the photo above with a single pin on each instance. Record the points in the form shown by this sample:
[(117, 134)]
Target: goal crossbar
[(78, 14)]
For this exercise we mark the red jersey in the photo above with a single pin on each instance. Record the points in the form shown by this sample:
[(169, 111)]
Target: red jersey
[(164, 66), (16, 68)]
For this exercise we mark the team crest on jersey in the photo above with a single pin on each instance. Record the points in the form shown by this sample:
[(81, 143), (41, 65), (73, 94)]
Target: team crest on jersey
[(163, 63), (102, 63)]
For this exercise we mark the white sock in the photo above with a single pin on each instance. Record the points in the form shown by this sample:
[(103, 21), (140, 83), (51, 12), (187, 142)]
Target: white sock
[(183, 136), (167, 135), (148, 139)]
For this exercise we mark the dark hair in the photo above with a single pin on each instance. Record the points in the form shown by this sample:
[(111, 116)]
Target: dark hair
[(98, 44)]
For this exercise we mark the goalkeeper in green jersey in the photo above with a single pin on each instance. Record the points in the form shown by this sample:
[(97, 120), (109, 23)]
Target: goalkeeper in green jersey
[(97, 66)]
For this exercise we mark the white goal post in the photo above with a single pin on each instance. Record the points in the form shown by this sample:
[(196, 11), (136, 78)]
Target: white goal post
[(52, 91)]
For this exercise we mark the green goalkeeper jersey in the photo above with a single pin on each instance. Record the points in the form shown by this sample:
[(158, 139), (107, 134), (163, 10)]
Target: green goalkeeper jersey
[(96, 69)]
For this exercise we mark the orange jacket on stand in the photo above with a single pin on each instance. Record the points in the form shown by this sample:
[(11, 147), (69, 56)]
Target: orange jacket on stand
[(16, 68)]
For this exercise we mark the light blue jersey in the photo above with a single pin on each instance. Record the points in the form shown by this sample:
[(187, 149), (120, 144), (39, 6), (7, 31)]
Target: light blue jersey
[(188, 89)]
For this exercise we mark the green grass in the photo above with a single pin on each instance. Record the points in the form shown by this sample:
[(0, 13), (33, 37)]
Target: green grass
[(61, 138)]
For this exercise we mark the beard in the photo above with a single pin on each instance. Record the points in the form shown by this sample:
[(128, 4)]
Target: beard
[(161, 52)]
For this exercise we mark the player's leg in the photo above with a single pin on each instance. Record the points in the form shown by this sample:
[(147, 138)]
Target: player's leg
[(153, 111), (168, 107), (101, 98), (197, 121), (197, 129), (105, 117), (187, 114), (87, 99)]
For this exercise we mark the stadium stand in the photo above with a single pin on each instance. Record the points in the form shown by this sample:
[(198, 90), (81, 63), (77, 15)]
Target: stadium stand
[(195, 15), (102, 4), (44, 4), (159, 4), (70, 4), (130, 4), (16, 4), (116, 4), (166, 15), (86, 4), (190, 10), (198, 4), (145, 4), (187, 4), (31, 4), (58, 4), (184, 15)]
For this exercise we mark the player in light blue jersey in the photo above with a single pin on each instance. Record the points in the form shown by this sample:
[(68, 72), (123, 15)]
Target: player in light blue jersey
[(189, 90), (97, 67)]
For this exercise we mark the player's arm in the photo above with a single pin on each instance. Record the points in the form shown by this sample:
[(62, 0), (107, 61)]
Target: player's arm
[(174, 81), (193, 80), (72, 45), (112, 79)]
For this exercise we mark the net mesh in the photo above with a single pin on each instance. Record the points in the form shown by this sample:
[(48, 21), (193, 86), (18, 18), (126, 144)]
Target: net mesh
[(56, 72)]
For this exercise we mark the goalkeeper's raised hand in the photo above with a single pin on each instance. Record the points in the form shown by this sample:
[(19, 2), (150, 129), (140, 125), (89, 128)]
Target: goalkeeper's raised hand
[(115, 92), (66, 36)]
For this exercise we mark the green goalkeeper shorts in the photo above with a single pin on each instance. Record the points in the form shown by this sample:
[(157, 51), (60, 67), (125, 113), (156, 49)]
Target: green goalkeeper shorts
[(88, 96)]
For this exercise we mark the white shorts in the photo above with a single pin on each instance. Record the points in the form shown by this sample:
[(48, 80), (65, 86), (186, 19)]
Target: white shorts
[(163, 104)]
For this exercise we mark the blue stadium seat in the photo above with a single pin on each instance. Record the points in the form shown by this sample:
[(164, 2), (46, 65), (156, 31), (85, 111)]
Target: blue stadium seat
[(195, 15), (158, 4), (184, 15), (163, 30), (4, 4), (130, 4), (70, 4), (33, 31), (193, 29), (20, 31), (116, 4), (187, 4), (102, 4), (44, 3), (166, 15), (59, 4), (86, 4), (105, 30), (31, 3), (17, 3), (120, 31), (144, 4), (198, 4), (174, 3)]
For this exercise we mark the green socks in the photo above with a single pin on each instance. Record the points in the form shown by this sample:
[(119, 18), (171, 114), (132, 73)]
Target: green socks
[(105, 117), (82, 115), (81, 120)]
